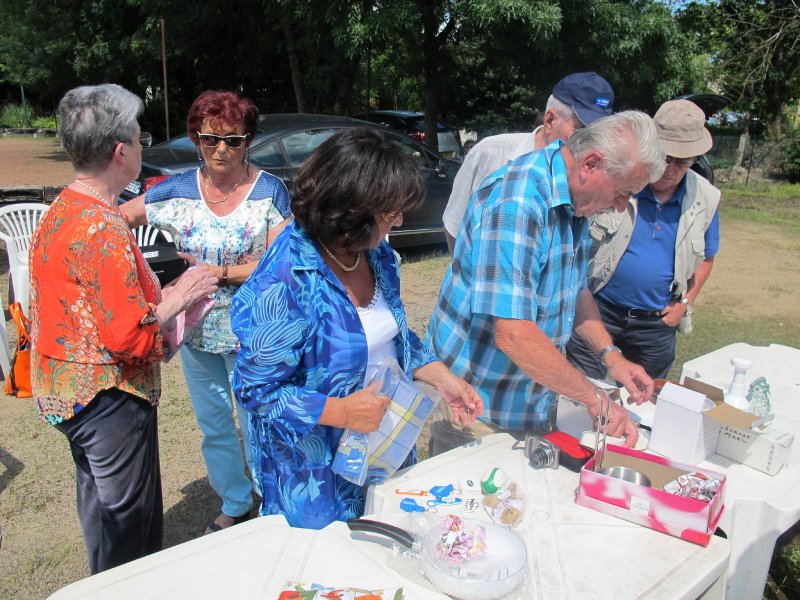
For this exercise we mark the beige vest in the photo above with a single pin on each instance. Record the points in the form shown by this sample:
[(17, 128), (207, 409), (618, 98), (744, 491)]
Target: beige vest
[(611, 234)]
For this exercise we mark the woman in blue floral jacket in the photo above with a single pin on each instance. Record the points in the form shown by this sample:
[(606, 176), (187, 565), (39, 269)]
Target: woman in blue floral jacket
[(317, 316)]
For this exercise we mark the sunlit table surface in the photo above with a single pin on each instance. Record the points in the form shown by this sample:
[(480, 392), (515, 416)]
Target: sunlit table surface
[(573, 552), (251, 561), (759, 507)]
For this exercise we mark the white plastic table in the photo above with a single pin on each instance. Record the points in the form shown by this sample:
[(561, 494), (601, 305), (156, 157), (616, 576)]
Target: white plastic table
[(758, 507), (573, 552), (251, 561)]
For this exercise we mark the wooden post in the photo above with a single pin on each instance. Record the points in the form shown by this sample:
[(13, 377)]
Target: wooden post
[(164, 66)]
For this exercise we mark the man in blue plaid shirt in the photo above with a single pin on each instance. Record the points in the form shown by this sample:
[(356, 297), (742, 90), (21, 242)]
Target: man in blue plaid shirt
[(517, 286)]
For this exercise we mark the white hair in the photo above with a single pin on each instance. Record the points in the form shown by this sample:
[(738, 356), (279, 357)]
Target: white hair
[(93, 120), (625, 139), (563, 110)]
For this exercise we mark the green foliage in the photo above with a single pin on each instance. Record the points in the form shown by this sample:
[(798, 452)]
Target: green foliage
[(785, 570), (773, 204), (790, 152), (16, 115), (45, 122)]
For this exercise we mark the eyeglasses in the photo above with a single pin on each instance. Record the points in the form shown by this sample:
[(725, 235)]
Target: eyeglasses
[(395, 219), (681, 162), (145, 139), (209, 140)]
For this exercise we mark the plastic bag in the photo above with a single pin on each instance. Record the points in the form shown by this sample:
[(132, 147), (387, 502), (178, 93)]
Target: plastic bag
[(373, 457)]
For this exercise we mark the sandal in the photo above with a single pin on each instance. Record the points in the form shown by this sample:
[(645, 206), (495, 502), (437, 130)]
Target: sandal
[(213, 527)]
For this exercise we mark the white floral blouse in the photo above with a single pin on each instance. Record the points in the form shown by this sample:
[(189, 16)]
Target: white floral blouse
[(176, 206)]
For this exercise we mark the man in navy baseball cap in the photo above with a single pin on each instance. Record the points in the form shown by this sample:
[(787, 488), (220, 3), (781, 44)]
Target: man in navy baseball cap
[(588, 94), (576, 101)]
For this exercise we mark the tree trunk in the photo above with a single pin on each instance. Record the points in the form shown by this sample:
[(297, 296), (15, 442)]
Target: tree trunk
[(430, 50), (294, 63)]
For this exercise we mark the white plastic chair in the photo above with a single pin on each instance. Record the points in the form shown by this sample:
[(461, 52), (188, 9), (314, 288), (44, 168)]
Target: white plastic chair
[(17, 223), (5, 352), (146, 235)]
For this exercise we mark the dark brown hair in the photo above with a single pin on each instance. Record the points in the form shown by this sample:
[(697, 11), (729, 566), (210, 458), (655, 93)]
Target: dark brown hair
[(225, 107), (353, 178)]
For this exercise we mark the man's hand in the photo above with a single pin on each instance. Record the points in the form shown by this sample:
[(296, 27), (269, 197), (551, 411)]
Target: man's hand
[(620, 423), (673, 313), (632, 376)]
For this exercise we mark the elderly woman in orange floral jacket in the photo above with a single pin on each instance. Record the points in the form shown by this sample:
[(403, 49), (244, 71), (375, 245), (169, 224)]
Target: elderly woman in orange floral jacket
[(98, 318)]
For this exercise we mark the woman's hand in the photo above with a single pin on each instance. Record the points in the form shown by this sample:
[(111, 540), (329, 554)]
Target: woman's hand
[(361, 411), (194, 285)]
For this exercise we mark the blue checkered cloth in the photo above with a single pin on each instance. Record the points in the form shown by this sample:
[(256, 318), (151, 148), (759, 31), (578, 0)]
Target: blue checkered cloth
[(372, 458), (521, 254)]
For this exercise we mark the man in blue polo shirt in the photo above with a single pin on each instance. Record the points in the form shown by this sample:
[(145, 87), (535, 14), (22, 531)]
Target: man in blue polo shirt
[(517, 283), (649, 263)]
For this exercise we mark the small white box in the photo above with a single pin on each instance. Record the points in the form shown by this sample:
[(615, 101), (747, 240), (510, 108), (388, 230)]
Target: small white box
[(766, 450), (682, 430)]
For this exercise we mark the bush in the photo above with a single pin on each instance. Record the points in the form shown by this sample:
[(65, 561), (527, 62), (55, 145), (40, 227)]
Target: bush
[(45, 122), (16, 115), (790, 152)]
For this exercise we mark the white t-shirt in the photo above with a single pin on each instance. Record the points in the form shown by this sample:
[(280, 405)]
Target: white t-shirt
[(381, 328)]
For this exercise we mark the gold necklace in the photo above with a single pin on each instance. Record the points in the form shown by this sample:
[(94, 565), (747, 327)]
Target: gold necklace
[(339, 263), (226, 196), (94, 191)]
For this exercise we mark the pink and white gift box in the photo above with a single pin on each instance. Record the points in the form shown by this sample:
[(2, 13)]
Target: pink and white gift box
[(686, 518)]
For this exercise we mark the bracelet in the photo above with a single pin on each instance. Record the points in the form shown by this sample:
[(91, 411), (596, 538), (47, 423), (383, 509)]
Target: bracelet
[(224, 279), (601, 356)]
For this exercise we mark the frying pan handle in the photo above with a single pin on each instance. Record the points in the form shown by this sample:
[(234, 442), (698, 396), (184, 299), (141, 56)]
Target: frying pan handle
[(401, 536)]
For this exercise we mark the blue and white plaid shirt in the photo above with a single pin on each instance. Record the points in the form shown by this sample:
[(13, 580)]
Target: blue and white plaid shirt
[(522, 254)]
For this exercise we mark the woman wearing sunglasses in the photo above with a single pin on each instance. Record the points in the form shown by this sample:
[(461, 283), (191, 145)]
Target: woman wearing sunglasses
[(224, 214), (318, 317)]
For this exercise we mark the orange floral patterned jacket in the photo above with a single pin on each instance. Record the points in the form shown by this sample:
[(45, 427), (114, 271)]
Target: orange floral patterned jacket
[(92, 302)]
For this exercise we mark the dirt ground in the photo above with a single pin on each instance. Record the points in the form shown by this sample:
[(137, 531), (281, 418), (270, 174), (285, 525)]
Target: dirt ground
[(757, 275)]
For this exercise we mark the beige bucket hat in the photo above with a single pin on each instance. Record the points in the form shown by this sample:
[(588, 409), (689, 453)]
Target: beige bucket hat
[(681, 129)]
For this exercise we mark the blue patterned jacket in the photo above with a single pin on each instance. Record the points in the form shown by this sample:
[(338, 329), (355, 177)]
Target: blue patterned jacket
[(301, 342)]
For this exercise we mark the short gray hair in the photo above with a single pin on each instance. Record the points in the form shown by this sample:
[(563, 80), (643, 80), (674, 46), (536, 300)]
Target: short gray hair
[(93, 120), (563, 110), (624, 139)]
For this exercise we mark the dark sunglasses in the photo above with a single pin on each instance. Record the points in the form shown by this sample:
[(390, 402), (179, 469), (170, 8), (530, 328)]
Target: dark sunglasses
[(209, 140)]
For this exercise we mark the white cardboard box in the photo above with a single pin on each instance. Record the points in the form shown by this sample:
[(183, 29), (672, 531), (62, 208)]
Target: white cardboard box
[(692, 422), (682, 430), (766, 450)]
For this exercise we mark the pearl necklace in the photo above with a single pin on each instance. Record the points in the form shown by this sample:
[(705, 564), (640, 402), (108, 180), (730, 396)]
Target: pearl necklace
[(226, 196), (94, 191), (339, 263)]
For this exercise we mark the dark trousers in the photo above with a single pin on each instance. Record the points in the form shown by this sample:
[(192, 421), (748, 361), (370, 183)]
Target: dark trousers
[(646, 341), (114, 443)]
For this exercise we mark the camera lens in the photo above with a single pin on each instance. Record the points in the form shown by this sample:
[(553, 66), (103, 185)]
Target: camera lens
[(541, 458)]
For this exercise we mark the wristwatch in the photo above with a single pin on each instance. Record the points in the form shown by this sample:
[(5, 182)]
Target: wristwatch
[(688, 306), (223, 280), (602, 354)]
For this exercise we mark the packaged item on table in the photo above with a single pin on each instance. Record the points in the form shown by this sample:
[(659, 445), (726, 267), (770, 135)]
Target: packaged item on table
[(694, 485), (459, 543), (501, 498), (373, 457)]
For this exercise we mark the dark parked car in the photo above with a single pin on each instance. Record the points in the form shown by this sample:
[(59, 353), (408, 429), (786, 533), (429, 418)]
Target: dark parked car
[(282, 144), (413, 124), (709, 104)]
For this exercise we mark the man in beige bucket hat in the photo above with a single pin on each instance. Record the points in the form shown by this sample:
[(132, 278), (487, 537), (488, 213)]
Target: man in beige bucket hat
[(649, 263)]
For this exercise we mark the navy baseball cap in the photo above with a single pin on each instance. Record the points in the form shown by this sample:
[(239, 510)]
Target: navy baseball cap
[(589, 95)]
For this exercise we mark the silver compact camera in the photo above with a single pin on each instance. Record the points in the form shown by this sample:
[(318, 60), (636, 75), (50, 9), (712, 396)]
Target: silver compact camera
[(540, 453)]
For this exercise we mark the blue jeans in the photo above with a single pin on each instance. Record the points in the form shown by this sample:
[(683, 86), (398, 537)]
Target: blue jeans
[(208, 377)]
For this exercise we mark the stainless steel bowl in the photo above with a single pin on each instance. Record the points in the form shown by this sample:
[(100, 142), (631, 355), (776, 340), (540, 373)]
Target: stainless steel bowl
[(627, 474)]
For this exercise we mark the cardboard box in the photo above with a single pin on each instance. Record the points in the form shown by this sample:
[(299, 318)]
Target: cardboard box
[(685, 518), (689, 417), (766, 450)]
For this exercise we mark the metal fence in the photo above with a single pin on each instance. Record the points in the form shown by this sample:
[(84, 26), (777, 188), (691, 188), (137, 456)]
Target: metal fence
[(757, 153)]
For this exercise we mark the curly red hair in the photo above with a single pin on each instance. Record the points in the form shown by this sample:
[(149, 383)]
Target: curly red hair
[(222, 107)]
